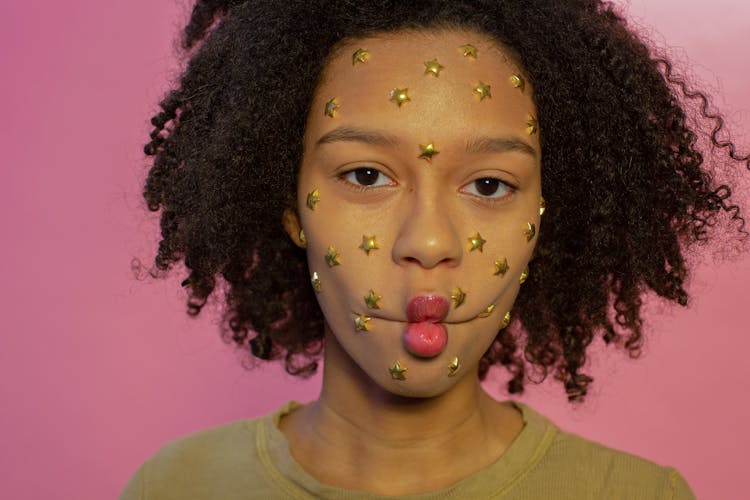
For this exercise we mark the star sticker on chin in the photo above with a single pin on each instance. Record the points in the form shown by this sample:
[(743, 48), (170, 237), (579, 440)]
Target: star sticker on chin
[(398, 372)]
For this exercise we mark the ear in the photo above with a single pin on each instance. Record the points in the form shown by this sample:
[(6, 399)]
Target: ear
[(291, 224)]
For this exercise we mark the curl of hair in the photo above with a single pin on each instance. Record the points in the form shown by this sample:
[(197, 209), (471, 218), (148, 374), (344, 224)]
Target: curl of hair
[(623, 176)]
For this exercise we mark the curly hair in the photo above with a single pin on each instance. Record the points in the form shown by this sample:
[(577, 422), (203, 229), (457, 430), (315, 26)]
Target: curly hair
[(624, 178)]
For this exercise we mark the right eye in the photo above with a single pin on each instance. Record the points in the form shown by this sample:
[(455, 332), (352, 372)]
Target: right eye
[(367, 177)]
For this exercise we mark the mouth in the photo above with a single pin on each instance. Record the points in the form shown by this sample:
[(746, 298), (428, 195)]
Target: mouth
[(427, 308), (425, 336)]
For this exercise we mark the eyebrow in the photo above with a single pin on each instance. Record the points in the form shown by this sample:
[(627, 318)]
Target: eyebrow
[(353, 134), (499, 145)]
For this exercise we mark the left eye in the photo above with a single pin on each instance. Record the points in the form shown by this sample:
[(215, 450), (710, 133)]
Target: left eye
[(367, 176), (488, 187)]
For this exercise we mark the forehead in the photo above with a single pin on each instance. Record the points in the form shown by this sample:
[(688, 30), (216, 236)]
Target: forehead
[(439, 71)]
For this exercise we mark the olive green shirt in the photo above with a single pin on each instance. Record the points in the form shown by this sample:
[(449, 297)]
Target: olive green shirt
[(250, 459)]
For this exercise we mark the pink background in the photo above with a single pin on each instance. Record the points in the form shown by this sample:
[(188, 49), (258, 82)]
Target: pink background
[(99, 370)]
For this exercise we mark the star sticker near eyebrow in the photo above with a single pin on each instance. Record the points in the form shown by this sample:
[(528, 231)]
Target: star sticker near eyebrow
[(313, 197), (332, 107), (360, 56), (531, 125), (469, 51), (332, 257), (477, 242), (399, 96), (482, 90), (372, 299), (427, 151), (398, 372), (368, 244), (433, 67)]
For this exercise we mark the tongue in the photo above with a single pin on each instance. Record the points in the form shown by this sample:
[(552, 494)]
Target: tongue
[(425, 339)]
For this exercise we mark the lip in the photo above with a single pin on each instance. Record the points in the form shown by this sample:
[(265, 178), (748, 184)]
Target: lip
[(427, 308)]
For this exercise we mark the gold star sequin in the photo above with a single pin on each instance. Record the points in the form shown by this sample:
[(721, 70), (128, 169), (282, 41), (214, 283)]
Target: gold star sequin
[(469, 51), (362, 323), (313, 197), (477, 242), (458, 297), (400, 96), (524, 275), (433, 68), (531, 125), (486, 313), (427, 151), (332, 107), (398, 372), (501, 267), (368, 244), (529, 231), (506, 321), (302, 238), (372, 299), (360, 56), (315, 281), (482, 90), (542, 205), (518, 82), (332, 257), (454, 366)]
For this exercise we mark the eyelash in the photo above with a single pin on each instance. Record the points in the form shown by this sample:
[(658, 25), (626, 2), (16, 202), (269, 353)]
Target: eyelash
[(353, 183)]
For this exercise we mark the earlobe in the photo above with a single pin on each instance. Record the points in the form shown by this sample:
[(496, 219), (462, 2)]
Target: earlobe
[(290, 221)]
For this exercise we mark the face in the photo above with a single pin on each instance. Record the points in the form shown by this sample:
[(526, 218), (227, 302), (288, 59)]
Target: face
[(419, 196)]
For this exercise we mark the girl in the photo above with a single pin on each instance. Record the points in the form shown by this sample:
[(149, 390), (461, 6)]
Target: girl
[(421, 191)]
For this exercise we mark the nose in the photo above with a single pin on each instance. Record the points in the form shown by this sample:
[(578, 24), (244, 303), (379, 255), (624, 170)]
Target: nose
[(427, 235)]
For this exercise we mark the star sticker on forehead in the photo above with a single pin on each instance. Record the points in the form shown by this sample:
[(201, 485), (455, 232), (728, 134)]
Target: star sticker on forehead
[(477, 242), (468, 50), (372, 300), (531, 125), (360, 56), (433, 67), (427, 151), (362, 323), (398, 372), (368, 244), (332, 107), (518, 82), (399, 96), (458, 297), (332, 257), (482, 90)]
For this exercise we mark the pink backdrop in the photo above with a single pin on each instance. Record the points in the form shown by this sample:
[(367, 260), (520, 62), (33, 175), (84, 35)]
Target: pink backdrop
[(99, 370)]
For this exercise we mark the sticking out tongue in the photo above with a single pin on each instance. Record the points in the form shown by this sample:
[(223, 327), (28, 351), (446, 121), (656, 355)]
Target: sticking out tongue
[(424, 335)]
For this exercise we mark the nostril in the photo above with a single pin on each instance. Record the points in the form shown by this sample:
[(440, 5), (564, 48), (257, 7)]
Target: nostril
[(412, 260)]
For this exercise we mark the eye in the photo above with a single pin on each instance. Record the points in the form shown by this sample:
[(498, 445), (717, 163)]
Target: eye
[(367, 177), (489, 187)]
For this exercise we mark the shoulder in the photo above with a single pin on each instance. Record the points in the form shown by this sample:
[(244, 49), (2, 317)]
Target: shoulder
[(575, 464)]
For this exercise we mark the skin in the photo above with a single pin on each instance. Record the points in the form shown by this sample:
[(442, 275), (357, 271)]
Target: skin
[(367, 430)]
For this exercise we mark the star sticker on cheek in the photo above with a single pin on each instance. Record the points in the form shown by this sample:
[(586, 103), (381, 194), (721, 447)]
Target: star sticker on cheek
[(400, 96), (362, 323), (506, 321), (313, 197), (458, 297), (332, 107), (529, 231), (315, 281), (368, 244), (469, 51), (524, 276), (486, 313), (433, 68), (542, 205), (482, 90), (501, 267), (454, 366), (531, 125), (372, 300), (427, 151), (398, 372), (332, 257), (518, 82), (477, 242), (360, 56)]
